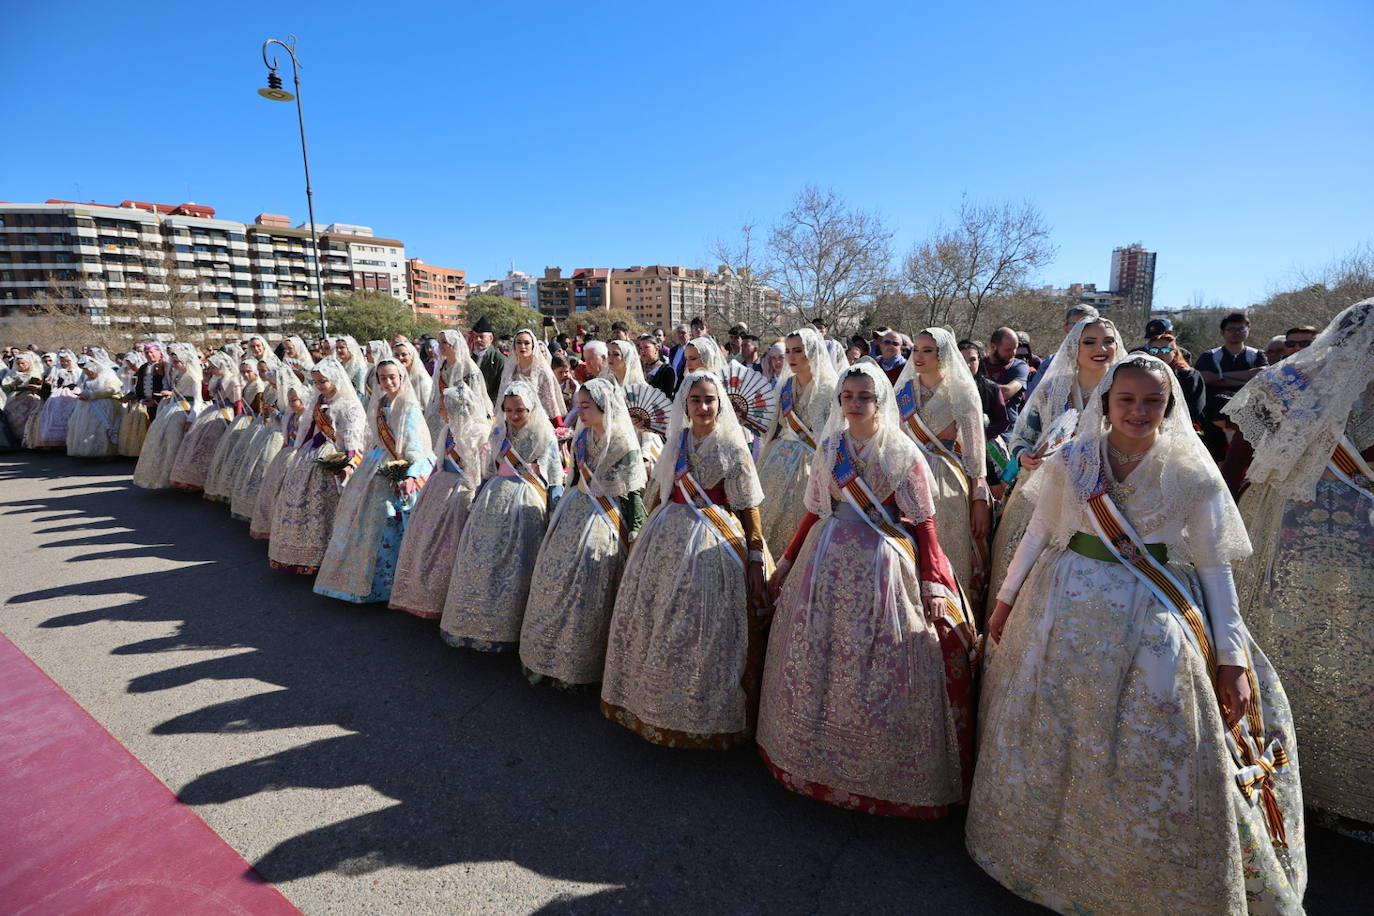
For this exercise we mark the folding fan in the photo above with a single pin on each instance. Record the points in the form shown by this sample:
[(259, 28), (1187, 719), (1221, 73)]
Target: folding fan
[(754, 399), (648, 407)]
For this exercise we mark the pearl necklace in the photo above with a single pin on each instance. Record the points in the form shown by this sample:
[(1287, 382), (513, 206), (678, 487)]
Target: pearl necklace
[(1121, 457)]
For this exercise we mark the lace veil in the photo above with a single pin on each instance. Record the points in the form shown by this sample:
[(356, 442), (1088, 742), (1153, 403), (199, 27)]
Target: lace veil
[(816, 401), (405, 399), (726, 449), (1295, 412), (712, 356), (619, 470), (899, 459), (188, 380), (540, 375), (332, 369), (634, 371), (420, 382), (469, 426), (1053, 392), (301, 353), (535, 440)]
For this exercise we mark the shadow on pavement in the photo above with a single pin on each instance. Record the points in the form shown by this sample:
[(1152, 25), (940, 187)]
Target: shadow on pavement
[(481, 765)]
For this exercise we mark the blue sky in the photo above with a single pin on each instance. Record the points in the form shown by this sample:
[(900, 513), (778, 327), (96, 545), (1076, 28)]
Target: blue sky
[(1233, 139)]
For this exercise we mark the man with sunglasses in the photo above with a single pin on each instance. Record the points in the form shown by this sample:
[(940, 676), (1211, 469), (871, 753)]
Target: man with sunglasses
[(890, 357), (1165, 347), (1276, 349), (1299, 338)]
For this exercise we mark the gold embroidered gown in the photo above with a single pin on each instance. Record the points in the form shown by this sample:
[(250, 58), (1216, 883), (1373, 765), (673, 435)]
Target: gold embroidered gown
[(785, 468)]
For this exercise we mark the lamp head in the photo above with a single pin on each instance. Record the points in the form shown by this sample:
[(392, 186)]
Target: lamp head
[(274, 91)]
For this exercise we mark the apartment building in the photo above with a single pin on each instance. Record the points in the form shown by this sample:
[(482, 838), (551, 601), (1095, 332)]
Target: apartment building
[(1133, 277), (440, 292), (521, 287), (587, 288), (179, 267), (660, 296)]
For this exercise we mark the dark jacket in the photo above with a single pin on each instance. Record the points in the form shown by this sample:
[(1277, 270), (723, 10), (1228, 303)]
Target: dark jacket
[(492, 364)]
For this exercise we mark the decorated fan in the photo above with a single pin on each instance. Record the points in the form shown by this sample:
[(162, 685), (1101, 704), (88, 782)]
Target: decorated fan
[(754, 399), (1059, 433), (648, 407)]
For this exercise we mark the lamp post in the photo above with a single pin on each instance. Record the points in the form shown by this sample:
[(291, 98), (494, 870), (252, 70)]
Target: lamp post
[(276, 93)]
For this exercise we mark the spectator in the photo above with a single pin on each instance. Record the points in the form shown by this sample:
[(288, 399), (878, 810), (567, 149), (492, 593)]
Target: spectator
[(620, 331), (1071, 317), (1276, 349), (995, 421), (749, 351), (660, 341), (593, 361), (489, 359), (677, 358), (563, 373), (855, 352), (737, 333), (832, 346), (1225, 370), (1299, 338), (773, 361), (1006, 371), (656, 372), (892, 360), (1165, 347), (1023, 350)]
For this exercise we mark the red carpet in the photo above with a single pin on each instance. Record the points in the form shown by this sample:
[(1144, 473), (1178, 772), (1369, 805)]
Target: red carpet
[(85, 828)]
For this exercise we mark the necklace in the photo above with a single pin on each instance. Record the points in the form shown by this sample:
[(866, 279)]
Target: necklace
[(1121, 457)]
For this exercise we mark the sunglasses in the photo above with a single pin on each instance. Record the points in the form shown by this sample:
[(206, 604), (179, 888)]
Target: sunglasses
[(1159, 351), (1297, 345)]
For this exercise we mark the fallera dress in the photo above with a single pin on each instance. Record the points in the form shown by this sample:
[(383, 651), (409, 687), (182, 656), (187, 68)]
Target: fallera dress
[(93, 430), (293, 425), (161, 445)]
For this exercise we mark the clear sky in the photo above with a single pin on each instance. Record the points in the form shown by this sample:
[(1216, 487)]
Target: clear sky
[(1234, 139)]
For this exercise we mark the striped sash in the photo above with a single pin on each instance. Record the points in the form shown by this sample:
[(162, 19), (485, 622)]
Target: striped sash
[(522, 469), (911, 417), (385, 434), (951, 605), (721, 521), (323, 425), (787, 404), (606, 508), (1256, 760), (1349, 467)]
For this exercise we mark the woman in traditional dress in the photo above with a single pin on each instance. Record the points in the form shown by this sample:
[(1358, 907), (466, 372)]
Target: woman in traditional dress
[(377, 350), (350, 356), (264, 442), (456, 367), (703, 353), (1136, 747), (303, 516), (522, 484), (1308, 589), (867, 691), (572, 591), (421, 385), (129, 365), (181, 404), (93, 430), (293, 399), (622, 364), (142, 401), (686, 637), (219, 479), (774, 361), (192, 464), (360, 562), (527, 362), (942, 412), (425, 565), (1089, 349), (806, 399), (65, 380), (26, 390), (296, 355)]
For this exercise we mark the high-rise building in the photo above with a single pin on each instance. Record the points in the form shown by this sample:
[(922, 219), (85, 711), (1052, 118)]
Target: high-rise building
[(178, 269), (1133, 277), (521, 287), (659, 296), (440, 292)]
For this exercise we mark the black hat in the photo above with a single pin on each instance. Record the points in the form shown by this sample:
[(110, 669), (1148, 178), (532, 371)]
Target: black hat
[(483, 326), (1158, 326)]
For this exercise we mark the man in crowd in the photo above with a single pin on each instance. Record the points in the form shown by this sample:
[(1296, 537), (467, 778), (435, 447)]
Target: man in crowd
[(677, 358), (832, 346), (150, 378), (656, 372), (1276, 349), (489, 359), (1006, 371), (1164, 345), (736, 334), (620, 331), (660, 341), (593, 361), (1299, 338), (749, 351), (890, 358), (1075, 314), (1225, 370)]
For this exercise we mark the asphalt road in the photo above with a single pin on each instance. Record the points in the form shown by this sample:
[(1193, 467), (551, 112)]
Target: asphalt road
[(365, 767)]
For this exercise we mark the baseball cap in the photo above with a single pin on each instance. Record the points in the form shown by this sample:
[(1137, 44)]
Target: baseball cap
[(1158, 326)]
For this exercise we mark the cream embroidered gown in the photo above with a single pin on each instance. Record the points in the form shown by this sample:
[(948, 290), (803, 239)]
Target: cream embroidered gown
[(785, 468)]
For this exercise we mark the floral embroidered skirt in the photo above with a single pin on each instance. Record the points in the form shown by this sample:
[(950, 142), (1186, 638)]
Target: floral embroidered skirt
[(258, 452), (425, 564), (133, 429), (1103, 775), (160, 447), (303, 517), (265, 503), (192, 463), (219, 476), (93, 430), (783, 475)]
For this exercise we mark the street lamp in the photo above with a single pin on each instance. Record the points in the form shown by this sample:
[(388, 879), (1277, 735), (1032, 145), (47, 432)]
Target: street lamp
[(276, 93)]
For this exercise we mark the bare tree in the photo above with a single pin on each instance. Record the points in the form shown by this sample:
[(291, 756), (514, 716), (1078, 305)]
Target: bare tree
[(1315, 296), (828, 261), (989, 253), (743, 293)]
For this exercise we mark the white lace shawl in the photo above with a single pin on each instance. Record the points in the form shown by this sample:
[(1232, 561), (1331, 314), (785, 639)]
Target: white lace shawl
[(403, 401), (300, 354), (187, 382), (890, 462), (1177, 494), (420, 382), (346, 411), (539, 375), (955, 400), (536, 443), (722, 455), (712, 356), (612, 455), (356, 367), (814, 402), (462, 369), (1293, 413), (470, 426), (1059, 388)]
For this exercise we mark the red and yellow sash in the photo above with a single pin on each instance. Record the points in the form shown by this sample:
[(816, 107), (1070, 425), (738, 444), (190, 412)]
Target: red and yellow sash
[(787, 404), (385, 434), (605, 506), (1349, 467), (1255, 759), (951, 604), (323, 424), (724, 524), (522, 469)]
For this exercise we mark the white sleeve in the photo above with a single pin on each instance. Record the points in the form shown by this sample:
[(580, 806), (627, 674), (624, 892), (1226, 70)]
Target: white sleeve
[(1028, 550), (1223, 610)]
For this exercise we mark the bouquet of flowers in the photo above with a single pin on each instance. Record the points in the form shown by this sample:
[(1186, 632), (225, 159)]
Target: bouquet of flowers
[(394, 471), (333, 462)]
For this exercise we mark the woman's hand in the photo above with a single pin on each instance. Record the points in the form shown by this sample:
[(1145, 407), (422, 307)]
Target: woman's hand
[(1030, 462), (758, 586), (998, 622), (409, 487), (980, 519), (779, 576), (1233, 693)]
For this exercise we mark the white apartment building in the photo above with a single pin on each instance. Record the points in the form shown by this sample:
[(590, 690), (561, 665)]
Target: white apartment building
[(521, 287)]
